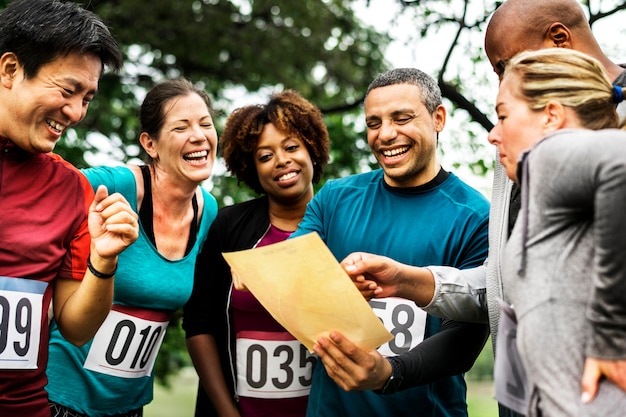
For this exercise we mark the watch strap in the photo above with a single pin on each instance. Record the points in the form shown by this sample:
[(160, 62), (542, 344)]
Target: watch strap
[(395, 379)]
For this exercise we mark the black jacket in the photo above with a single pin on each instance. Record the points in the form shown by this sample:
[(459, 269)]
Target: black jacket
[(236, 227)]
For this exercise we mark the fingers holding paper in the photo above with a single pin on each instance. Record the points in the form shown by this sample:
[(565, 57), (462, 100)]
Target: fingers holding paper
[(352, 368), (379, 276), (237, 282), (374, 275)]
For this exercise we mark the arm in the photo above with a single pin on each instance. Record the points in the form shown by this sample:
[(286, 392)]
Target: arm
[(205, 357), (605, 355), (205, 321), (80, 307), (460, 294), (441, 291), (451, 351)]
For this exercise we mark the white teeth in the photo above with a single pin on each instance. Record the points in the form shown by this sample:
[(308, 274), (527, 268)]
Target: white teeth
[(199, 154), (396, 151), (287, 176), (55, 125)]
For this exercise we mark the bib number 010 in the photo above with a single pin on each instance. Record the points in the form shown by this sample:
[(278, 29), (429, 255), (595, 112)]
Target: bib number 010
[(126, 345), (127, 330)]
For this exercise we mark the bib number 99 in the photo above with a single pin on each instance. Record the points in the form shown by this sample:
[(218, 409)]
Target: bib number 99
[(20, 328)]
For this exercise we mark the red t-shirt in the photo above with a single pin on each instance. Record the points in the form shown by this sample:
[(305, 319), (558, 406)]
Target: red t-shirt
[(43, 235)]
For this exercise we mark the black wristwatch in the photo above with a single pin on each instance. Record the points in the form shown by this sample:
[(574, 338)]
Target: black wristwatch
[(395, 379)]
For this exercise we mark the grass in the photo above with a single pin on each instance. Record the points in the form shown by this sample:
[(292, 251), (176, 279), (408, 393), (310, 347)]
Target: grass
[(179, 400), (480, 399), (480, 388)]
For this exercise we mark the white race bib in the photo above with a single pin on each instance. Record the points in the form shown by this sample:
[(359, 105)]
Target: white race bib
[(510, 378), (405, 321), (21, 304), (272, 365), (127, 343)]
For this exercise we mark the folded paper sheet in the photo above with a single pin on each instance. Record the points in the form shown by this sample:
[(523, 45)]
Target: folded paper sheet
[(304, 288)]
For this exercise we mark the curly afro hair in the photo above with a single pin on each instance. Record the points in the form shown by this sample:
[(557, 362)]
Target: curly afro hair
[(288, 111)]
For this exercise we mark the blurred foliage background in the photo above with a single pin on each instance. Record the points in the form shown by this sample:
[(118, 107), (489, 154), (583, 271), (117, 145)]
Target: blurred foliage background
[(250, 48)]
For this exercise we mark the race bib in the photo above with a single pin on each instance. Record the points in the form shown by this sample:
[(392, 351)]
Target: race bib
[(127, 343), (272, 365), (21, 305), (404, 320), (509, 376)]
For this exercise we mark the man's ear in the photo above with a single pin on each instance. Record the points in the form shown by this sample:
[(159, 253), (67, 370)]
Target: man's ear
[(148, 145), (558, 36), (439, 116), (9, 66)]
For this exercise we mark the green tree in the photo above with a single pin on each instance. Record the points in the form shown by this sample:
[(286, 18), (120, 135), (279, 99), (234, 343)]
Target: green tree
[(318, 47), (464, 75)]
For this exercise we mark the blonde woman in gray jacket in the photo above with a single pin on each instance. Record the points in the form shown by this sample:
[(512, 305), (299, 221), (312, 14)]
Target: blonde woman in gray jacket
[(564, 266)]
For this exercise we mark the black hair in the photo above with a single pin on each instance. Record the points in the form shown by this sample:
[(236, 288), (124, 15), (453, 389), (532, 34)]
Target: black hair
[(288, 111), (40, 31)]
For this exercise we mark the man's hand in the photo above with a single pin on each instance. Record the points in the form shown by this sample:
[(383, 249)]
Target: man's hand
[(595, 370), (379, 276), (373, 275), (80, 307), (351, 367), (113, 224)]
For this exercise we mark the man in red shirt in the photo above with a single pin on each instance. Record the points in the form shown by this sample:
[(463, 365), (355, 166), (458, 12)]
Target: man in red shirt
[(58, 242)]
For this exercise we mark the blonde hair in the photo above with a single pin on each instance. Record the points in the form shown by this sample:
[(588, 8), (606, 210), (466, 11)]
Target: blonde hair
[(572, 78)]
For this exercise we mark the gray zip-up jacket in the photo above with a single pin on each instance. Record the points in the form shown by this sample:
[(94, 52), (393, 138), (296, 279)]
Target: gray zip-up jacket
[(472, 295)]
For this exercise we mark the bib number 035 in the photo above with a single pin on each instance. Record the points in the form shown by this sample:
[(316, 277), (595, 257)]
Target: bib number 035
[(270, 368)]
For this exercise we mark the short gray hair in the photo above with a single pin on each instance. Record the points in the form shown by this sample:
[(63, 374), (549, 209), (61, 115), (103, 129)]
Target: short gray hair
[(431, 94)]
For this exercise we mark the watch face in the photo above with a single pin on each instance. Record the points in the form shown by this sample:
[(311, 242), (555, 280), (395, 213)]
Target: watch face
[(393, 384), (395, 379)]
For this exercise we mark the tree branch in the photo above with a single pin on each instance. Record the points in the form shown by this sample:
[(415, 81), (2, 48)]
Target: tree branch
[(451, 93), (594, 17)]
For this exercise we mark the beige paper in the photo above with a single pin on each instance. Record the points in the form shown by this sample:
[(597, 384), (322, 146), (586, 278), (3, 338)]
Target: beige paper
[(304, 288)]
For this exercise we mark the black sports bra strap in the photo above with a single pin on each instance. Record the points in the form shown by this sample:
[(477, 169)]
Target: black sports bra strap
[(193, 227), (146, 215), (145, 212)]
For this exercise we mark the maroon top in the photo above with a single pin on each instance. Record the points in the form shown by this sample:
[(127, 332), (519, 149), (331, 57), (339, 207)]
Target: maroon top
[(250, 317)]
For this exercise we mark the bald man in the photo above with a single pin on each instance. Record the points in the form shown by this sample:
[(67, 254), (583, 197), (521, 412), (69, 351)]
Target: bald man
[(519, 25), (472, 295)]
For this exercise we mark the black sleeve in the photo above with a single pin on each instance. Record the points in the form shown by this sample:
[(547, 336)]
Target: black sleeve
[(205, 311), (451, 351)]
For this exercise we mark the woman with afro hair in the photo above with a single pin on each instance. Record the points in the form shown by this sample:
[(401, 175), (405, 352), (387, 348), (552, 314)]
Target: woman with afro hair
[(248, 364)]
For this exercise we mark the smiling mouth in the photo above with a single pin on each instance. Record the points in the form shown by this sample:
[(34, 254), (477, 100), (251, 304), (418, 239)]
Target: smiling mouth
[(395, 152), (287, 176), (57, 127), (196, 156)]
